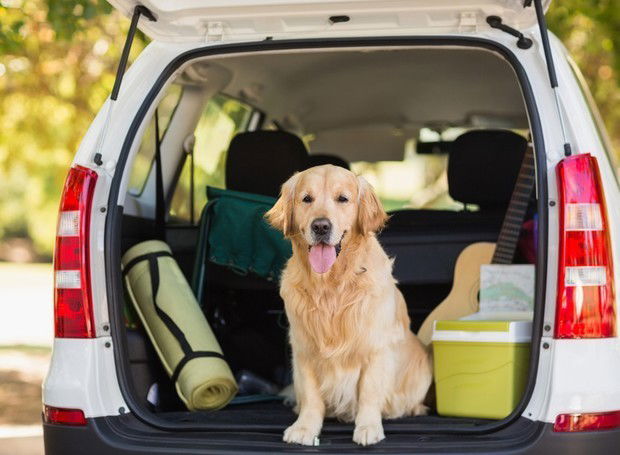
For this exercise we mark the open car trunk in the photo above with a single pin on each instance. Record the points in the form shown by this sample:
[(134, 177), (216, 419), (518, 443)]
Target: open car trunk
[(392, 110)]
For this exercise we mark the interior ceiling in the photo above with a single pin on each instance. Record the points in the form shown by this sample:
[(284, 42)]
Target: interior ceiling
[(328, 93)]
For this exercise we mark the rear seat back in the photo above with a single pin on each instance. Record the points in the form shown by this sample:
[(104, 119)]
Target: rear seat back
[(483, 166), (261, 161), (320, 159), (258, 163)]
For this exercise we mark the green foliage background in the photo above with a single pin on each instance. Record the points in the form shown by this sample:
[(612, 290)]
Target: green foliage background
[(57, 64)]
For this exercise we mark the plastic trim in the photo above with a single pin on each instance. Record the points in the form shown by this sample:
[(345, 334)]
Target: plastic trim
[(121, 436)]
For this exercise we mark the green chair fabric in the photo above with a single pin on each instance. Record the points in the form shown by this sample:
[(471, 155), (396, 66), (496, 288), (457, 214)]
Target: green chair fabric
[(234, 234)]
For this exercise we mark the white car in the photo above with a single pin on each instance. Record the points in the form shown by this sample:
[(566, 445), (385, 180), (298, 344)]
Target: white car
[(396, 90)]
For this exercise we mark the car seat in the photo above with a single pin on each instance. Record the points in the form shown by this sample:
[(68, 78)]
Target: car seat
[(320, 159), (483, 166), (236, 248)]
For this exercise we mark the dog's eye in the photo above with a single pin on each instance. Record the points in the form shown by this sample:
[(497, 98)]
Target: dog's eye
[(307, 199), (343, 199)]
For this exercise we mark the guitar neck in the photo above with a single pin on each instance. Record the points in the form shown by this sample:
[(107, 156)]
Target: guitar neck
[(515, 214)]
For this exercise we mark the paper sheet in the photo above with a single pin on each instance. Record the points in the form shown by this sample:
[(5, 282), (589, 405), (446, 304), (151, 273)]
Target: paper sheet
[(507, 288)]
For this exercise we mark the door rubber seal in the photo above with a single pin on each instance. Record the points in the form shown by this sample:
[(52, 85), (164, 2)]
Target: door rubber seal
[(115, 211)]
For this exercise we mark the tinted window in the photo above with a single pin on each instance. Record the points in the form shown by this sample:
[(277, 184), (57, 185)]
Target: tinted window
[(420, 180), (144, 159), (222, 118)]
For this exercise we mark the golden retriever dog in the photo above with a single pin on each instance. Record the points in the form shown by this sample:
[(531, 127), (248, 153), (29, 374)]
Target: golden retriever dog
[(354, 356)]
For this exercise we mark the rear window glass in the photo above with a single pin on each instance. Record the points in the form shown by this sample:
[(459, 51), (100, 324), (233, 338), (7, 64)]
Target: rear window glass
[(222, 118), (146, 152), (417, 182), (420, 180)]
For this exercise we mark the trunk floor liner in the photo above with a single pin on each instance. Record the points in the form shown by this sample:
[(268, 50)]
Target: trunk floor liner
[(276, 416)]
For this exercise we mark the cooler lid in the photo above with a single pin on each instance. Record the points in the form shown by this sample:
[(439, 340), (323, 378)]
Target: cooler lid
[(483, 331)]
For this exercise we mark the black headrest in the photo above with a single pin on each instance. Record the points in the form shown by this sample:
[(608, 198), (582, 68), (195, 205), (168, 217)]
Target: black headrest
[(261, 161), (483, 167), (320, 159)]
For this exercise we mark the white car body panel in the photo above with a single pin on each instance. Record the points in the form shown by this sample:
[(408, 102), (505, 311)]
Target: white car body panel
[(221, 20), (584, 377), (82, 376)]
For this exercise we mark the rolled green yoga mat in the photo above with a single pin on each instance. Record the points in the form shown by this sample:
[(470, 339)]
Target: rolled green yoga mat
[(177, 327)]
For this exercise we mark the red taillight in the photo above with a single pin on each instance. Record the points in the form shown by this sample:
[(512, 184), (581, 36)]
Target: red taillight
[(63, 416), (72, 297), (591, 421), (585, 299)]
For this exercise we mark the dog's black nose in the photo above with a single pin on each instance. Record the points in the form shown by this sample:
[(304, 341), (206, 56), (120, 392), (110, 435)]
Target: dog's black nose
[(321, 227)]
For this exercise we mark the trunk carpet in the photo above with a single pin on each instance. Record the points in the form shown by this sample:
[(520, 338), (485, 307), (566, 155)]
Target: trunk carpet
[(276, 416)]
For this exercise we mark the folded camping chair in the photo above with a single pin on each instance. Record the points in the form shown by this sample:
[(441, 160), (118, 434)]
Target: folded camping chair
[(234, 234), (235, 243)]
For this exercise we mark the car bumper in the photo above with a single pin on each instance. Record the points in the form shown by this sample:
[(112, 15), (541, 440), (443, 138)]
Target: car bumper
[(125, 435)]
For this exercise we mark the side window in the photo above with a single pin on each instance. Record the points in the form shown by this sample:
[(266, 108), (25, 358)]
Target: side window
[(222, 118), (146, 152)]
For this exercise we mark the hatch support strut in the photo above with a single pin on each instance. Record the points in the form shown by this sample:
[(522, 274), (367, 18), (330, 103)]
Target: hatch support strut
[(138, 11), (120, 72), (544, 36)]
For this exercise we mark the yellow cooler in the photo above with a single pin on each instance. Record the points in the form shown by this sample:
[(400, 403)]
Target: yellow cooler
[(480, 366)]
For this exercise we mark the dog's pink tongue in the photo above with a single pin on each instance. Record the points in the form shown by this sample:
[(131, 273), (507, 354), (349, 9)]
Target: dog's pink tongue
[(322, 257)]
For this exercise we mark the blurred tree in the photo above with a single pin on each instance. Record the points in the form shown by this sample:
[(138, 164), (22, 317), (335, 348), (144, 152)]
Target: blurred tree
[(57, 64), (590, 29)]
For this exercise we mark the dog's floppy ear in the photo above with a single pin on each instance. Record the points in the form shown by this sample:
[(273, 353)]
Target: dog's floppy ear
[(370, 214), (281, 214)]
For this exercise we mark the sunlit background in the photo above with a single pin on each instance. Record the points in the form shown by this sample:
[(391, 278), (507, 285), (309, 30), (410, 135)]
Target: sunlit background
[(57, 65)]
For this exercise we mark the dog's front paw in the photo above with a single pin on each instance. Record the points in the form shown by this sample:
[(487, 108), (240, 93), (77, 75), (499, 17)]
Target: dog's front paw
[(298, 434), (366, 435)]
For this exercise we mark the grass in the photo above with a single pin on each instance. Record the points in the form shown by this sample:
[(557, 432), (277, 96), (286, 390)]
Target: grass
[(22, 369), (20, 399)]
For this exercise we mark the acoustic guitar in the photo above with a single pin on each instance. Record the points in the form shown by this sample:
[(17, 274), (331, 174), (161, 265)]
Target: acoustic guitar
[(463, 297)]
